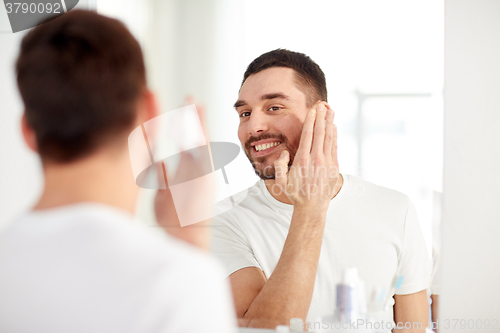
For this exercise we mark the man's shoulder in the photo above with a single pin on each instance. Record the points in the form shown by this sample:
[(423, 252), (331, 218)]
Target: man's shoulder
[(108, 247), (129, 268), (366, 190), (154, 249), (113, 236), (241, 203)]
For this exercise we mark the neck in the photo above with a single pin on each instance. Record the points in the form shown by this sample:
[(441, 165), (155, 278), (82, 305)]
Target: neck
[(100, 178), (283, 198)]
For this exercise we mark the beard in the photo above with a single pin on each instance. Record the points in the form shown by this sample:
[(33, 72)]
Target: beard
[(262, 168)]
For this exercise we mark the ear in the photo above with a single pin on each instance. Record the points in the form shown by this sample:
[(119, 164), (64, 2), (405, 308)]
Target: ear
[(318, 103), (28, 134), (327, 106), (148, 107)]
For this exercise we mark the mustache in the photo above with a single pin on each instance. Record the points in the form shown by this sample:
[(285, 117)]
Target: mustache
[(280, 137)]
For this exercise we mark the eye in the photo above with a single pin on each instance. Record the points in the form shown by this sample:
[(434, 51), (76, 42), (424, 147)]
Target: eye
[(274, 108), (244, 114)]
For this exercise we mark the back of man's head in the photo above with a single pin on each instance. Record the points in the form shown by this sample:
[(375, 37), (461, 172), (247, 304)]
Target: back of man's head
[(310, 79), (80, 77)]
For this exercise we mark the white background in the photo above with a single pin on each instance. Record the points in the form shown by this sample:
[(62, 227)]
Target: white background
[(471, 201)]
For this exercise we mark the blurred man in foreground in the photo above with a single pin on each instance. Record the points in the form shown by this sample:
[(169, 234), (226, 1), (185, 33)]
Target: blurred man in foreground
[(287, 243), (79, 262)]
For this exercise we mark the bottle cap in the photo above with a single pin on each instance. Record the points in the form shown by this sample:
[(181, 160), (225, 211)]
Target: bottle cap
[(282, 329), (350, 276), (297, 325)]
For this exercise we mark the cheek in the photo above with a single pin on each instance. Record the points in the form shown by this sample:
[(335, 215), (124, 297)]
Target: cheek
[(294, 128), (242, 134)]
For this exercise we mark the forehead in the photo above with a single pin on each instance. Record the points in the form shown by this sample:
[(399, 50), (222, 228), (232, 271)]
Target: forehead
[(270, 81)]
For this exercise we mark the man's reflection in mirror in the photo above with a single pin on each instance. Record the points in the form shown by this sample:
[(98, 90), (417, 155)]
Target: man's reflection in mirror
[(286, 246)]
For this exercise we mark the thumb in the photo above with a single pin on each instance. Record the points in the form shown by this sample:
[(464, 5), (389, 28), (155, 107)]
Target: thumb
[(281, 169)]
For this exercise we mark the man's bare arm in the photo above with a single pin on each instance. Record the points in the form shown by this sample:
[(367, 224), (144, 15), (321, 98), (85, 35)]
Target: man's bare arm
[(435, 311), (412, 309), (288, 291), (165, 210)]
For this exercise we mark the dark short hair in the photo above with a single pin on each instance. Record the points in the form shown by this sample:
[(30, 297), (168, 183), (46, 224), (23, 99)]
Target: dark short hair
[(80, 77), (310, 79)]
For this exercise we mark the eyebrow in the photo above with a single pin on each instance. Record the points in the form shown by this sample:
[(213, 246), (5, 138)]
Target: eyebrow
[(241, 102)]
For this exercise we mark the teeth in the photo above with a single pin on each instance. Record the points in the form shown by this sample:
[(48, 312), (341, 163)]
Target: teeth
[(266, 146)]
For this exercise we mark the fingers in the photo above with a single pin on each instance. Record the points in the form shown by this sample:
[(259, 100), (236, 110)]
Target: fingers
[(329, 133), (334, 145), (281, 169), (319, 130), (307, 134), (200, 109)]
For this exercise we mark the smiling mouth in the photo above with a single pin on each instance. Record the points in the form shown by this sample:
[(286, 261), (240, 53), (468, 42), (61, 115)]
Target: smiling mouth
[(266, 146)]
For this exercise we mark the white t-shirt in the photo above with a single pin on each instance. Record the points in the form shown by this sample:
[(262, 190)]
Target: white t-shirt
[(92, 268), (369, 227)]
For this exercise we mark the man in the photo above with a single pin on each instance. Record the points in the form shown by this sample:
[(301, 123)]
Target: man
[(79, 262), (286, 245)]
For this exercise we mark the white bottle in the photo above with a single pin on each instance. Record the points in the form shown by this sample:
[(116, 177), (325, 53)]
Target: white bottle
[(350, 306)]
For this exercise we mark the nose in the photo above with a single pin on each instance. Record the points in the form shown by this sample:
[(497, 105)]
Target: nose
[(257, 123)]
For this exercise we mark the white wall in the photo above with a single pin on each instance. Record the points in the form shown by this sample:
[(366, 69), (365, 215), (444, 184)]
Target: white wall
[(471, 210), (20, 172)]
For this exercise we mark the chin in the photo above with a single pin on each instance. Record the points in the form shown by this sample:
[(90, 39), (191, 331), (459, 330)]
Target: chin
[(264, 166), (265, 175), (264, 169)]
